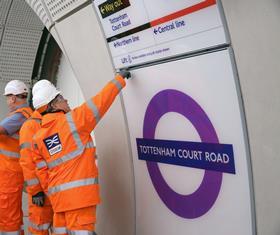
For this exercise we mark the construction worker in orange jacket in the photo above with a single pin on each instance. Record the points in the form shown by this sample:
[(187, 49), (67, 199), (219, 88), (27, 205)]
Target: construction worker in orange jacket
[(11, 177), (65, 155), (40, 212)]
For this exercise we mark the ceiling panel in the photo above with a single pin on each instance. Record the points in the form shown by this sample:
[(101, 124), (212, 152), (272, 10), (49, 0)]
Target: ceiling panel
[(4, 9), (18, 53), (59, 8), (39, 9), (22, 16)]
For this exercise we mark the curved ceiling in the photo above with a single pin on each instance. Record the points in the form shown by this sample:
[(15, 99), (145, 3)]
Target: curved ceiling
[(20, 34), (21, 31)]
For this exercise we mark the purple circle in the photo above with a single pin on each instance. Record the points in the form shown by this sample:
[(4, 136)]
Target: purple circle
[(199, 202)]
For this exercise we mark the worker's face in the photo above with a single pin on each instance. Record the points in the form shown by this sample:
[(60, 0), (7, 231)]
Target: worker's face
[(61, 103), (11, 102)]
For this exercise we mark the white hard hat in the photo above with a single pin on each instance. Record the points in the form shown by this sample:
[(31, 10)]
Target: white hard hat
[(43, 93), (15, 87)]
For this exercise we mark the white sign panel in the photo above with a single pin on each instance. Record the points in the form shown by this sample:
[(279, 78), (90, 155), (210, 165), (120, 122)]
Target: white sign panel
[(189, 152), (140, 31)]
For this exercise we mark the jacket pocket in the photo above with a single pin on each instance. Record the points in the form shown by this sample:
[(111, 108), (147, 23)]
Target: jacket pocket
[(85, 219), (4, 201)]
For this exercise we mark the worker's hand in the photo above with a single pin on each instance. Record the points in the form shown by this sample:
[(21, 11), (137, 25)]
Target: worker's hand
[(38, 199), (125, 74)]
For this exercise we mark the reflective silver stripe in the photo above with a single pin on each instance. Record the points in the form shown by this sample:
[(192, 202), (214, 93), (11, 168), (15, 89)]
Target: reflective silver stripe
[(25, 145), (90, 145), (9, 153), (73, 129), (41, 164), (31, 182), (40, 227), (63, 230), (72, 184), (36, 120), (65, 158), (94, 109), (81, 232), (59, 230), (118, 84), (15, 136), (24, 111), (69, 156), (10, 233)]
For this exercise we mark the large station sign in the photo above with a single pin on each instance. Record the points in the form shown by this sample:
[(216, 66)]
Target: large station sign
[(189, 148), (141, 31)]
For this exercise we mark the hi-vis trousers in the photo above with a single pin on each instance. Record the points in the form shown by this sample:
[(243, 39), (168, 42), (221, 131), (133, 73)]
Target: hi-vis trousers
[(75, 222), (10, 212), (40, 218)]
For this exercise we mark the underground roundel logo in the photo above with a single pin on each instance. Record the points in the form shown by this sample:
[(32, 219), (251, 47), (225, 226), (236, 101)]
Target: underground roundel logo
[(53, 144), (199, 202)]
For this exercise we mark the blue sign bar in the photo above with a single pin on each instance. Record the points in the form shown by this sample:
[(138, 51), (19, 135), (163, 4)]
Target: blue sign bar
[(207, 156)]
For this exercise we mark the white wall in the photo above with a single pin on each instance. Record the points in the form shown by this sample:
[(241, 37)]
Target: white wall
[(255, 34), (67, 83)]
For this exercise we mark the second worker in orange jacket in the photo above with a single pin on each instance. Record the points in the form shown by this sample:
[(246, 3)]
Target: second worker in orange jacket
[(40, 212)]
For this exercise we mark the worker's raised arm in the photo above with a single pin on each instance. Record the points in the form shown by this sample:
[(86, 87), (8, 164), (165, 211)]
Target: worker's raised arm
[(89, 113)]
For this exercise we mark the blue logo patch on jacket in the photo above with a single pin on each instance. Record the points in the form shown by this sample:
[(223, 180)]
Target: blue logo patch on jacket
[(53, 144)]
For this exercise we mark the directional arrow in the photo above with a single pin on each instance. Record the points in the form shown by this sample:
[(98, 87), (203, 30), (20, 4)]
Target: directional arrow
[(102, 10)]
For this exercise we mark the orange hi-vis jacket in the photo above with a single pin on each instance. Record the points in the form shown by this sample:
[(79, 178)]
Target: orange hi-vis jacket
[(11, 178), (65, 155), (27, 131), (40, 218)]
